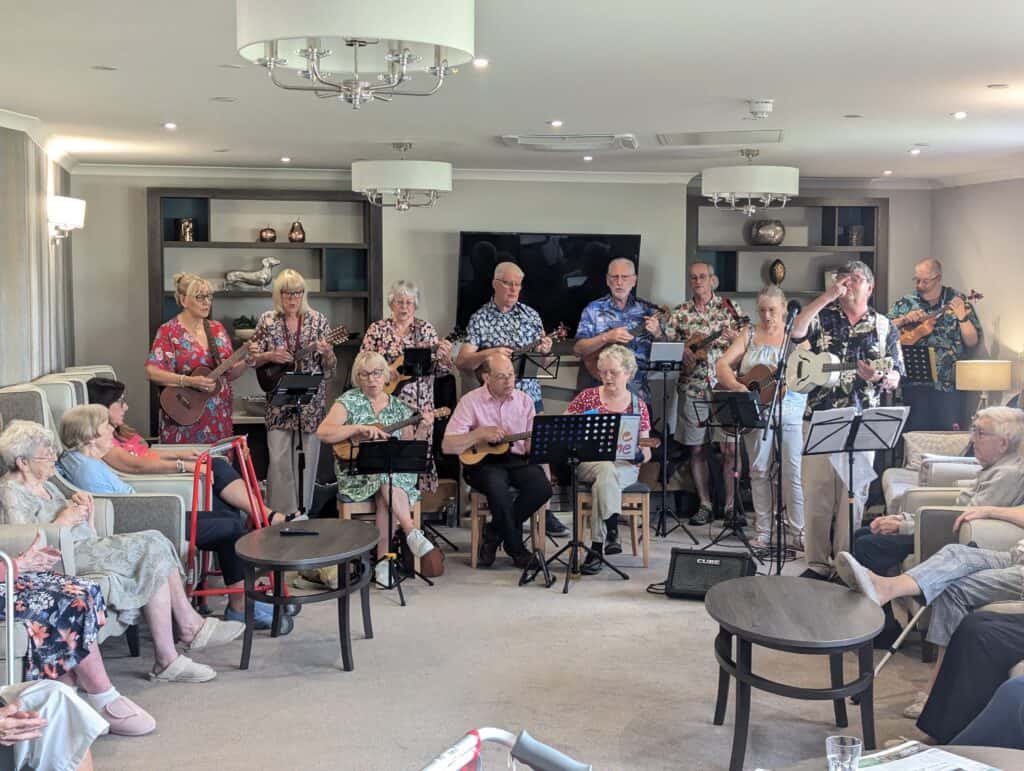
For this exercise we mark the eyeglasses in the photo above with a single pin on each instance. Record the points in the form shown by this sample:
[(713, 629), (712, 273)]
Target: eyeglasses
[(122, 402), (501, 375), (928, 280), (293, 293), (373, 373), (975, 431), (621, 276), (204, 298), (510, 284), (44, 458), (404, 301), (698, 277)]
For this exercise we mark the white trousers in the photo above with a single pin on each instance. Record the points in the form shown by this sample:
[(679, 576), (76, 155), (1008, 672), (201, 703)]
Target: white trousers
[(608, 479), (759, 453), (283, 473)]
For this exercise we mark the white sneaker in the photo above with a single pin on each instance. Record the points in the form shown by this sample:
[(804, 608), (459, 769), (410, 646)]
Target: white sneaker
[(419, 544), (382, 573), (914, 710)]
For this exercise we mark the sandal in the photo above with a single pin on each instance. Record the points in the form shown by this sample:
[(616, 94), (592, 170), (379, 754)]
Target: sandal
[(184, 670), (215, 632)]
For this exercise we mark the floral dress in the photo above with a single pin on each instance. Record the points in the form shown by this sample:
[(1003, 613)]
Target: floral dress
[(382, 337), (176, 350), (272, 333), (360, 487), (135, 564), (62, 617)]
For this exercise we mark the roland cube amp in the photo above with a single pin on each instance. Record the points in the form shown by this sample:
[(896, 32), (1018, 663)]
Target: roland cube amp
[(692, 572)]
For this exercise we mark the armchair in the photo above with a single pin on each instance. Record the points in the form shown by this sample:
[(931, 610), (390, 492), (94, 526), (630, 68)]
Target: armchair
[(922, 466)]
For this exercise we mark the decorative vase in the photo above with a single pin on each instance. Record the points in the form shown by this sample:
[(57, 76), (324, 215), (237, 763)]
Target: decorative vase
[(764, 232), (777, 272), (186, 229), (268, 235), (297, 234)]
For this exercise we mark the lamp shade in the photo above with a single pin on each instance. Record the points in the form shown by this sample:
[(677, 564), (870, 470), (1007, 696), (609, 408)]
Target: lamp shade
[(746, 181), (66, 213), (385, 176), (983, 375), (418, 26)]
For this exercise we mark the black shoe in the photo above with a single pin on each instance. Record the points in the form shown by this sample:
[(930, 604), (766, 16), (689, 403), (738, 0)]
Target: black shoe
[(592, 565), (553, 525), (702, 517), (292, 609), (612, 546), (488, 548), (286, 626), (522, 559), (815, 575)]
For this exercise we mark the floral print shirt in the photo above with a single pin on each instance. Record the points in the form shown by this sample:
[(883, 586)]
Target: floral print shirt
[(176, 350), (272, 332), (685, 322), (519, 327), (602, 314), (946, 339)]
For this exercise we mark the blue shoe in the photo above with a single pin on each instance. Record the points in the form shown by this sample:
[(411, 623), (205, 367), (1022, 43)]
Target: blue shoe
[(264, 616)]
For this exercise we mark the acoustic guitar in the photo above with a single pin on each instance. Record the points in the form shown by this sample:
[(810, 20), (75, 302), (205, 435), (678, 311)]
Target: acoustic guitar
[(270, 374), (185, 405), (916, 331), (700, 345), (761, 380), (399, 378), (473, 455), (806, 371), (557, 335), (638, 331), (349, 449)]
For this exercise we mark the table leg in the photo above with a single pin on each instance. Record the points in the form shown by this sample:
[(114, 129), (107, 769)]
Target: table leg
[(723, 646), (344, 579), (364, 595), (275, 624), (250, 614), (866, 658), (835, 664), (740, 730)]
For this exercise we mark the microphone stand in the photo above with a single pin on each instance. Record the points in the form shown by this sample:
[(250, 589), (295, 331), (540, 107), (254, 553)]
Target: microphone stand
[(774, 423)]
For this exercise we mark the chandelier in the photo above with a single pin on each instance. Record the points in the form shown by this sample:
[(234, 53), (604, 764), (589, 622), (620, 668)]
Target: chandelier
[(356, 51), (744, 189), (401, 184)]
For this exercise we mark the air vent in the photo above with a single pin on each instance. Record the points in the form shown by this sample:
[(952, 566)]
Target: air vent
[(719, 138), (576, 143)]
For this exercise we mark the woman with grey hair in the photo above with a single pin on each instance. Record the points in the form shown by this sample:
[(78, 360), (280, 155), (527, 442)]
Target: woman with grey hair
[(143, 568), (391, 336), (763, 346), (616, 366)]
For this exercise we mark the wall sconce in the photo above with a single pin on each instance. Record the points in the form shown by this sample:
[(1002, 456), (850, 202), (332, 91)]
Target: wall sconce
[(65, 214)]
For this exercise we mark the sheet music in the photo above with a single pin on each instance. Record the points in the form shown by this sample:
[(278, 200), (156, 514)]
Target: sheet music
[(629, 438)]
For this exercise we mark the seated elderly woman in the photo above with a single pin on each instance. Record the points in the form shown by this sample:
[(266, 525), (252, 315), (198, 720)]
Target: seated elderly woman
[(616, 365), (63, 616), (48, 726), (131, 455), (355, 416), (144, 570), (954, 581), (87, 434)]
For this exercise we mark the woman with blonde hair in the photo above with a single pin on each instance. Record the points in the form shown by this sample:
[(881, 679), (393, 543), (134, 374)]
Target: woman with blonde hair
[(352, 418), (189, 340), (280, 334)]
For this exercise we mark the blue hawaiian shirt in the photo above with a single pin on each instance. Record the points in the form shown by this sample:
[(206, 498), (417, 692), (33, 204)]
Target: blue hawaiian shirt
[(946, 340), (601, 315), (519, 327)]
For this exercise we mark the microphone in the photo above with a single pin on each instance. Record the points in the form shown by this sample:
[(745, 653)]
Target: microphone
[(793, 308)]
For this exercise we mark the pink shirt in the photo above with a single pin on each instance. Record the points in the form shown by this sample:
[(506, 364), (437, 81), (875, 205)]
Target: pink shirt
[(479, 408)]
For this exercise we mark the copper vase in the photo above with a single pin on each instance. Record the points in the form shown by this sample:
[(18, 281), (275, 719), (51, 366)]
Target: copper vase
[(297, 234)]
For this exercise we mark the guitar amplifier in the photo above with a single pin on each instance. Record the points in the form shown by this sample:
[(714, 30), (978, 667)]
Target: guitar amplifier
[(692, 571)]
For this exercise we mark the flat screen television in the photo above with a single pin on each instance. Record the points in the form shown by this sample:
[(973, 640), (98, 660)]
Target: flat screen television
[(564, 271)]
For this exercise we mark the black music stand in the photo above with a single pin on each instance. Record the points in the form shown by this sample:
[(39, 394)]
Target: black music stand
[(735, 412), (666, 363), (919, 361), (390, 457), (536, 366), (850, 430), (295, 390), (572, 439)]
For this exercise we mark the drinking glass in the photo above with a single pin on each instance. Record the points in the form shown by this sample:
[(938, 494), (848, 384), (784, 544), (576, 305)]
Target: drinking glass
[(843, 753)]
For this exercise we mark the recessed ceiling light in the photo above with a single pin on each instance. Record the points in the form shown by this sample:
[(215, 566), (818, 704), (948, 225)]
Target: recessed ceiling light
[(230, 66), (853, 115), (170, 126), (104, 68), (588, 158), (915, 150), (887, 172), (920, 144), (481, 63), (556, 123), (958, 115), (285, 159), (222, 149), (998, 86), (224, 99)]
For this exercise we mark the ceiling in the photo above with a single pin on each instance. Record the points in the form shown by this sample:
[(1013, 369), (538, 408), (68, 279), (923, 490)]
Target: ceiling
[(645, 67)]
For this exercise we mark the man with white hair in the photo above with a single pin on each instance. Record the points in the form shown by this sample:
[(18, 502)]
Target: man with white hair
[(936, 405)]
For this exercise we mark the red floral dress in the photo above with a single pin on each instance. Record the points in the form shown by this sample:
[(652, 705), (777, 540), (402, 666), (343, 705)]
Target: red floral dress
[(176, 350)]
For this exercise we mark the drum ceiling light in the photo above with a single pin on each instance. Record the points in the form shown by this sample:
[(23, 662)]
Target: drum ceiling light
[(353, 50), (401, 184), (745, 189)]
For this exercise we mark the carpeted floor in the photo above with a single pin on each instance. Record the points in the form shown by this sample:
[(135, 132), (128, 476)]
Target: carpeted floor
[(609, 674)]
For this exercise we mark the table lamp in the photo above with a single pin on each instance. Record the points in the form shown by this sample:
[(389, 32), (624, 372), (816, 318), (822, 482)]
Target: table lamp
[(983, 375)]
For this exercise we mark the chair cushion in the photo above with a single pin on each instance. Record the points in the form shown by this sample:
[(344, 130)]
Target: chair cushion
[(896, 482), (637, 487), (917, 443)]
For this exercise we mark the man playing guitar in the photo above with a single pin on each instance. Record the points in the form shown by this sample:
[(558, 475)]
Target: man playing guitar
[(618, 317), (486, 415), (936, 405), (840, 322), (706, 314)]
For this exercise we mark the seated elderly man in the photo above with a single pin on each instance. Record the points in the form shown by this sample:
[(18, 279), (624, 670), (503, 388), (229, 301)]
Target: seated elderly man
[(997, 434), (954, 581)]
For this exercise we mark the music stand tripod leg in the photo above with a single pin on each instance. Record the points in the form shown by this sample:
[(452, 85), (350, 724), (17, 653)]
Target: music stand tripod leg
[(662, 529)]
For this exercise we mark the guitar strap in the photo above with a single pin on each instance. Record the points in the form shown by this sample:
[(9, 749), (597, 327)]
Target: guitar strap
[(211, 344)]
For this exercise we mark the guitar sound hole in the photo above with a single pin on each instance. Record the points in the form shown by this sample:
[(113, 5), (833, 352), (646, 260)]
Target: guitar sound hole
[(184, 400)]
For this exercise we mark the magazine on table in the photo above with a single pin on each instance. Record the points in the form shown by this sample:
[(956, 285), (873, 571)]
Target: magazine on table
[(914, 756)]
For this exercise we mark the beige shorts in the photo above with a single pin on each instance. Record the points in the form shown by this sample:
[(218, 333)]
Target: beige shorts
[(688, 430)]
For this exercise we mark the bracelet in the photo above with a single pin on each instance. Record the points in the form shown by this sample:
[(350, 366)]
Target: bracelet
[(181, 381), (180, 465)]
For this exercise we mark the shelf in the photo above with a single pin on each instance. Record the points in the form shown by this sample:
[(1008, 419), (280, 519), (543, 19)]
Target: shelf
[(784, 248), (258, 245), (239, 294)]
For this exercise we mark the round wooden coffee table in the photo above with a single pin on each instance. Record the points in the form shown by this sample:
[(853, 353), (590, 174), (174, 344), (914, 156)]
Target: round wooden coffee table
[(796, 615), (997, 757), (347, 544)]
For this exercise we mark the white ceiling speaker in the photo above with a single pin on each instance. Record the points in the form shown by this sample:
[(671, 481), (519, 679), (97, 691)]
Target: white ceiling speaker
[(374, 46), (401, 184), (575, 143), (720, 138), (760, 109)]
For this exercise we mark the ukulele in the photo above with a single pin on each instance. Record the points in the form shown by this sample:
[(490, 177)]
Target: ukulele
[(557, 335), (349, 449), (473, 455), (399, 378), (638, 331), (270, 374), (183, 404), (806, 371), (915, 331), (761, 380), (700, 345)]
